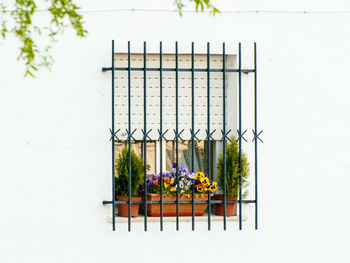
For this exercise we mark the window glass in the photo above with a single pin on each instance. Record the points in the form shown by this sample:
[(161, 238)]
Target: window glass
[(138, 148), (185, 155)]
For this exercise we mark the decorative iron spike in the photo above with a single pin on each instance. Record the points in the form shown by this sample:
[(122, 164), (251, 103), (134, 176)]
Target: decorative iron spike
[(209, 135), (193, 135), (114, 135), (177, 135), (241, 135), (161, 136), (145, 134), (224, 135), (130, 135), (256, 136)]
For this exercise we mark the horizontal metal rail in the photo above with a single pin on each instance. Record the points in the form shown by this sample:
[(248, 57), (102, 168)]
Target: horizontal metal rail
[(179, 69), (180, 202)]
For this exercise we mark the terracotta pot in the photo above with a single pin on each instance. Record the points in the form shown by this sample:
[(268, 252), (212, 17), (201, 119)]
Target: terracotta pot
[(123, 208), (230, 208), (153, 210)]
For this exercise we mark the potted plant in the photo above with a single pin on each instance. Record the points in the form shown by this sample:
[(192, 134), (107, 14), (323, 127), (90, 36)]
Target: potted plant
[(186, 180), (232, 178), (122, 181)]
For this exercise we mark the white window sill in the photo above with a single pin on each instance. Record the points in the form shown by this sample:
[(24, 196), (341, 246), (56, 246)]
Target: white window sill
[(204, 218)]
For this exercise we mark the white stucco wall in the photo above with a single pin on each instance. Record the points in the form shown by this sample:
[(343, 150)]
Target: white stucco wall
[(55, 154)]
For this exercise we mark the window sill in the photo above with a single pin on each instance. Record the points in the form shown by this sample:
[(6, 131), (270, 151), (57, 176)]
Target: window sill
[(204, 218)]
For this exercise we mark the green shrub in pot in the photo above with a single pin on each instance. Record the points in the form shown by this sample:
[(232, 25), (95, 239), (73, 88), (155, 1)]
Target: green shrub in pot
[(232, 178), (232, 170), (122, 181), (122, 173)]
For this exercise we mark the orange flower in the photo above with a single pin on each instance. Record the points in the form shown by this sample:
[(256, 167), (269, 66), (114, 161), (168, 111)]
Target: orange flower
[(166, 179), (155, 182), (172, 189)]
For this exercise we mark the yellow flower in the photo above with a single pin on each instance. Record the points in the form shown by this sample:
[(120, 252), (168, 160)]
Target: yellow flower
[(204, 181), (166, 184), (171, 180), (199, 188), (213, 187), (199, 175), (172, 189)]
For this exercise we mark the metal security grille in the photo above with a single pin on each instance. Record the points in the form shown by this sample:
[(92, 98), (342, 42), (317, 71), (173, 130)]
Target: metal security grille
[(140, 113)]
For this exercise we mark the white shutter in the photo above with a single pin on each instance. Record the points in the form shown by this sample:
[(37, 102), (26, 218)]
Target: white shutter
[(153, 96)]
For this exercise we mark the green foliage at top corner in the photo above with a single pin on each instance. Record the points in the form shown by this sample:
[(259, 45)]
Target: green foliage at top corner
[(27, 31), (232, 170), (122, 173)]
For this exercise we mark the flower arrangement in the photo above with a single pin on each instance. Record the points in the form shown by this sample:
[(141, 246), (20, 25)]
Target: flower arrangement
[(186, 180)]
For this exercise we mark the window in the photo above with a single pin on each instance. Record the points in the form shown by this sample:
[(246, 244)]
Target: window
[(176, 104)]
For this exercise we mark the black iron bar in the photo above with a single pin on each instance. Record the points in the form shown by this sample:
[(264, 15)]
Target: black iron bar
[(240, 131), (208, 127), (112, 139), (256, 141), (129, 137), (224, 125), (177, 132), (145, 131), (161, 131), (181, 202), (192, 138), (179, 69)]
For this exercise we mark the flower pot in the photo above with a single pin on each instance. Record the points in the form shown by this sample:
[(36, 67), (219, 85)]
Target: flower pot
[(123, 208), (153, 210), (230, 207)]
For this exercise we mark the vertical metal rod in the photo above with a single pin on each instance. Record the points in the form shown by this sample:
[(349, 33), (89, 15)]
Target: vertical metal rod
[(240, 133), (177, 131), (161, 131), (129, 137), (224, 126), (192, 139), (113, 157), (256, 142), (145, 130), (208, 123)]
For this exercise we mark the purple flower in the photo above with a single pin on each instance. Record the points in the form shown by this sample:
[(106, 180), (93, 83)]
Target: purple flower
[(190, 176), (181, 184), (183, 169), (174, 165), (189, 182)]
